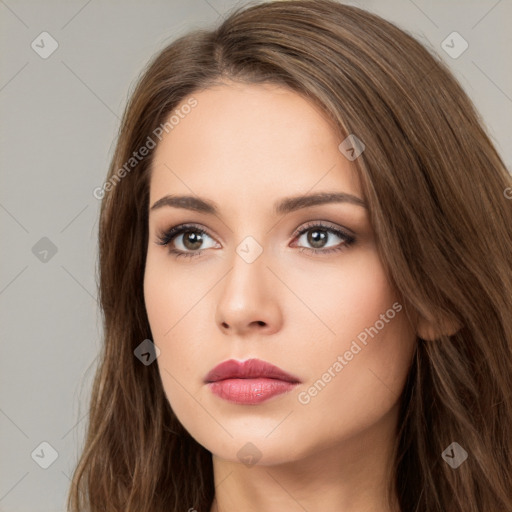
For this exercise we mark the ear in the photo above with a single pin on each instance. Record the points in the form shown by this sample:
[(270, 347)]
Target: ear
[(430, 330)]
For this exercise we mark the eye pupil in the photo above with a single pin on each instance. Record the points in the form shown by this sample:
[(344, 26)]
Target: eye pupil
[(317, 238)]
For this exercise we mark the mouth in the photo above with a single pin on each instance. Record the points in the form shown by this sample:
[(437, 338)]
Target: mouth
[(249, 382), (249, 369)]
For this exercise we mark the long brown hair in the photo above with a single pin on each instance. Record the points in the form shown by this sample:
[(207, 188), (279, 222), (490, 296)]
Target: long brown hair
[(437, 193)]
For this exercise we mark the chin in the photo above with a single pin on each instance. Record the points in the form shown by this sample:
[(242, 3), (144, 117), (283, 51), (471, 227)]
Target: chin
[(260, 445)]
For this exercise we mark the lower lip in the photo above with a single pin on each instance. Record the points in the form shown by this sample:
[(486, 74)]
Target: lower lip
[(249, 391)]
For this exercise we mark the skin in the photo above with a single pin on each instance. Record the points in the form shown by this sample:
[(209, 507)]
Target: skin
[(245, 147)]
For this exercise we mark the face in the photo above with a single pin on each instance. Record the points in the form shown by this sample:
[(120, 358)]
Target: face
[(297, 284)]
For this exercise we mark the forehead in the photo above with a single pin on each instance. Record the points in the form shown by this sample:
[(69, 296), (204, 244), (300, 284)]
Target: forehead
[(250, 143)]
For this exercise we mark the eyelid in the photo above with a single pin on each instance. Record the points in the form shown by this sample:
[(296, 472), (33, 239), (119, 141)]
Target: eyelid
[(324, 224)]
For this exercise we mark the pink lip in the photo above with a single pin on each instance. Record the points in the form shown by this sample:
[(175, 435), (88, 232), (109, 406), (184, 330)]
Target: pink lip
[(249, 382)]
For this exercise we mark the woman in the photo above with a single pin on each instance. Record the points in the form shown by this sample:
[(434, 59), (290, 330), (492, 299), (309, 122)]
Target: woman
[(305, 275)]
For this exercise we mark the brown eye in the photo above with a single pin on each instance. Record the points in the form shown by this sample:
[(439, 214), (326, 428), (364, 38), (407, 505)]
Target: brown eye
[(319, 235), (317, 238), (192, 240), (185, 240)]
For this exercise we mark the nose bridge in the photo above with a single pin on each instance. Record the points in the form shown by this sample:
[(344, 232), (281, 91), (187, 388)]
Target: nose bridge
[(248, 270), (247, 296), (249, 257)]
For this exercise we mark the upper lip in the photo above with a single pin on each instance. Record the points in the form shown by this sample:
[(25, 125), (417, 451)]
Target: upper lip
[(251, 368)]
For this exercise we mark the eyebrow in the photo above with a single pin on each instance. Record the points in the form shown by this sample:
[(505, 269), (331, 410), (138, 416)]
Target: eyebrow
[(283, 206)]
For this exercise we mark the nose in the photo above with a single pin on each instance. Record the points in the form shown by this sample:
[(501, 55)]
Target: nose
[(248, 301)]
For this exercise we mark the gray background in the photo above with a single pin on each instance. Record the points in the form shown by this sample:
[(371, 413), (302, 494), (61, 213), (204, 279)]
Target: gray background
[(59, 117)]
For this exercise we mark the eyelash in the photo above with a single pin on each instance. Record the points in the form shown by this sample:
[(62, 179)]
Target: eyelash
[(170, 234)]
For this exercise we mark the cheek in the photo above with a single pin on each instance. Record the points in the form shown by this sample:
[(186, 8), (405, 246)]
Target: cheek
[(168, 294), (348, 297), (360, 370), (365, 384), (173, 314)]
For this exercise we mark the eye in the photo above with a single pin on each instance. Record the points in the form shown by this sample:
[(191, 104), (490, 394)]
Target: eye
[(318, 234), (192, 239), (192, 236)]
